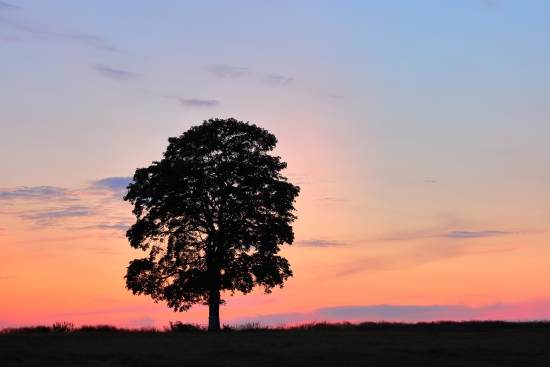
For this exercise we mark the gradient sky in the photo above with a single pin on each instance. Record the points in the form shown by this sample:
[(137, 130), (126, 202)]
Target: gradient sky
[(418, 132)]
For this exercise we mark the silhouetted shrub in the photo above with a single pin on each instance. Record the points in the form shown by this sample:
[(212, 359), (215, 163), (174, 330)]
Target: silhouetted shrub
[(89, 328), (178, 326), (251, 326), (323, 325), (27, 329), (144, 329), (62, 327)]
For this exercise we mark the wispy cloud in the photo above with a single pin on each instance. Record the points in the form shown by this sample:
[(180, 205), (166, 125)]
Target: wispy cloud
[(433, 247), (227, 71), (96, 210), (486, 233), (5, 6), (114, 183), (370, 264), (43, 33), (333, 96), (87, 39), (105, 251), (317, 242), (433, 233), (7, 277), (53, 215), (332, 201), (117, 74), (37, 192), (10, 38), (300, 178), (100, 205), (103, 187), (467, 234), (277, 80), (118, 228), (122, 227), (201, 103), (530, 310), (144, 321)]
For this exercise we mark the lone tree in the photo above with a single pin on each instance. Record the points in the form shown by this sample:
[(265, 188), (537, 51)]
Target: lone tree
[(212, 214)]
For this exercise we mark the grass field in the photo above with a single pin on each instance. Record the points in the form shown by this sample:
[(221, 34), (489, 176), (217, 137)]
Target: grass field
[(372, 344)]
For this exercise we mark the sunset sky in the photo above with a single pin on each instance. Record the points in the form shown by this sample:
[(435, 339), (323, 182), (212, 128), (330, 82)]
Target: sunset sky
[(418, 131)]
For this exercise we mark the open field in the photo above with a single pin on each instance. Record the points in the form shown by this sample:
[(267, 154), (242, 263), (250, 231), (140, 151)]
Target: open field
[(452, 344)]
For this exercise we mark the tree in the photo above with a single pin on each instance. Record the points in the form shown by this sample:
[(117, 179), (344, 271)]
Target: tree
[(213, 214)]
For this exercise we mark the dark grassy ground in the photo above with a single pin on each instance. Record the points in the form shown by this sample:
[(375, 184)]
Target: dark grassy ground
[(453, 344)]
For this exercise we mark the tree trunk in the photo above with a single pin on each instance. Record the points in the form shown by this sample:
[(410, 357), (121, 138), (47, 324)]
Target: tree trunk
[(214, 311)]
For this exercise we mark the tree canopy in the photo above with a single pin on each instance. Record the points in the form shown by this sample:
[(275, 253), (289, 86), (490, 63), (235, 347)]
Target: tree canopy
[(213, 214)]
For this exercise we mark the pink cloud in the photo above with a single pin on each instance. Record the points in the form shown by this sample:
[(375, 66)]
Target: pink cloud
[(530, 310)]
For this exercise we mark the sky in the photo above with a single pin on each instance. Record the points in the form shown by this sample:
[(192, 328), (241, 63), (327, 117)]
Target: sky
[(417, 131)]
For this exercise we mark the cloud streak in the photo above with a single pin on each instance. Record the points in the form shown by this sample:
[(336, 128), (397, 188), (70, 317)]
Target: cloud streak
[(97, 208), (114, 183), (10, 38), (532, 310), (122, 227), (486, 233), (117, 74), (431, 249), (334, 199), (460, 235), (105, 251), (103, 187), (38, 192), (226, 71), (53, 215), (5, 6), (200, 103), (99, 205), (41, 34), (144, 321), (232, 72), (276, 80), (317, 242), (195, 102)]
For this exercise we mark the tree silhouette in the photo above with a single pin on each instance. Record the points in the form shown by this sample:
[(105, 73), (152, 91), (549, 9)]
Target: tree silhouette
[(212, 214)]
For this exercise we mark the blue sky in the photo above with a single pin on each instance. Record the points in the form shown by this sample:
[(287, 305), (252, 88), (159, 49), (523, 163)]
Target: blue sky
[(87, 79)]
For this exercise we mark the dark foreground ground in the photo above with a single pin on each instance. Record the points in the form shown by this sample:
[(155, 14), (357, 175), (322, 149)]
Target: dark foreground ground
[(342, 347)]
